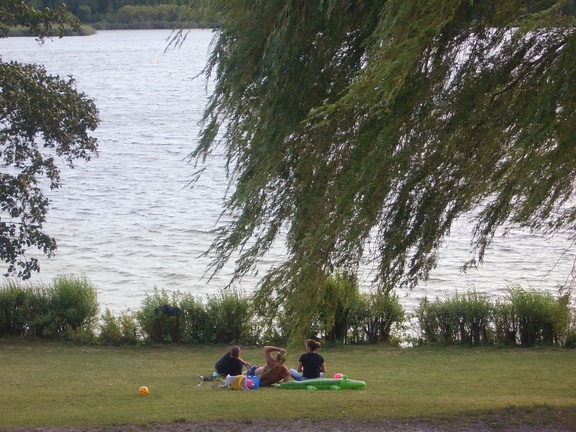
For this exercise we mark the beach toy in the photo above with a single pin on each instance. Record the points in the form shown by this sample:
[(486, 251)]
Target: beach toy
[(143, 391), (236, 382), (323, 384), (253, 382), (338, 376)]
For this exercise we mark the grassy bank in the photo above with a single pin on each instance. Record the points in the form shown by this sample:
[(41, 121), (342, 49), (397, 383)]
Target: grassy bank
[(49, 384)]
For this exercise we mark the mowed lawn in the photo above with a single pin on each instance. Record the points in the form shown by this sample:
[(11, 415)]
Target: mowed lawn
[(52, 384)]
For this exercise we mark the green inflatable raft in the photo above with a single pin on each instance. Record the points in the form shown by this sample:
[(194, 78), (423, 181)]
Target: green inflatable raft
[(323, 384)]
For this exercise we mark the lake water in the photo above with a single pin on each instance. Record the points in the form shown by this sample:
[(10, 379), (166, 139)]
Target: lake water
[(128, 220)]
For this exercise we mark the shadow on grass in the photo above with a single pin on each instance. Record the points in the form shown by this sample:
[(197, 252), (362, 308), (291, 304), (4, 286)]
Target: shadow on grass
[(537, 417)]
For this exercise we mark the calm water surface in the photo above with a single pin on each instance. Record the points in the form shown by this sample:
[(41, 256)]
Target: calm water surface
[(128, 220)]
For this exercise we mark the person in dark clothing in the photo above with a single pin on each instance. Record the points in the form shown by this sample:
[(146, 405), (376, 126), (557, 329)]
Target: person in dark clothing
[(231, 363), (311, 364)]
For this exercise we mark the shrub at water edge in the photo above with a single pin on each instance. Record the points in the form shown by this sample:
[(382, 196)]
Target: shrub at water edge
[(66, 309), (535, 317), (156, 325), (122, 330), (526, 317)]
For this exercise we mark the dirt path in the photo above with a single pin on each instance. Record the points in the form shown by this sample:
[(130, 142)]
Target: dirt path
[(493, 423)]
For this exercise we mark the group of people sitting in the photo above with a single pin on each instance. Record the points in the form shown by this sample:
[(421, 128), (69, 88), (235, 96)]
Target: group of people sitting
[(310, 365)]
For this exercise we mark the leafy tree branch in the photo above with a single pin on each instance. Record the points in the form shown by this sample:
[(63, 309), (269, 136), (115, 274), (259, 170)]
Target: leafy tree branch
[(43, 119)]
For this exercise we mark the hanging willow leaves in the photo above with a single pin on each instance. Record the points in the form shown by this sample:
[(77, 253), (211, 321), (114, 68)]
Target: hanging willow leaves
[(345, 121)]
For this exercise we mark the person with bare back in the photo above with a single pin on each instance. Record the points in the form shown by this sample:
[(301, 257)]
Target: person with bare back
[(274, 370)]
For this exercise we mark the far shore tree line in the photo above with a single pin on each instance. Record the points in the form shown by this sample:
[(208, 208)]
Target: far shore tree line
[(68, 310), (132, 14)]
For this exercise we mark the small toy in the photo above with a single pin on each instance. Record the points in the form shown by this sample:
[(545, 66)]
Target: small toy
[(253, 382), (143, 391), (242, 382)]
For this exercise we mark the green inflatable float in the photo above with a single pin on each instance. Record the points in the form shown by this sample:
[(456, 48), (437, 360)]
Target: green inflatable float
[(323, 384)]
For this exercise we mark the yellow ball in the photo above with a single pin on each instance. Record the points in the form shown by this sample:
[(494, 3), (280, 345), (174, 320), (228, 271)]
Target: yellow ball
[(143, 391)]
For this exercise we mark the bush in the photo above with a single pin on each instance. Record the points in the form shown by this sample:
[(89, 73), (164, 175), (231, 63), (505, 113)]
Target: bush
[(359, 311), (121, 330), (528, 317), (40, 319), (14, 309), (193, 320), (333, 317), (438, 322), (229, 317), (505, 323), (272, 330), (539, 317), (65, 310), (225, 318), (570, 341), (382, 312), (475, 315), (460, 319), (72, 307), (157, 325)]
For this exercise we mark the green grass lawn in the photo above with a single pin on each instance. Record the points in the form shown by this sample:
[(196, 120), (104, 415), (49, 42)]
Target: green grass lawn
[(50, 384)]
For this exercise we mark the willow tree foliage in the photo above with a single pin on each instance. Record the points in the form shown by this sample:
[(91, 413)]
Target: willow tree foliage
[(345, 121), (43, 120)]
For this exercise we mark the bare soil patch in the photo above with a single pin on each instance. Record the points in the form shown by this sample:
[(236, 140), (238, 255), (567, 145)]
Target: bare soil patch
[(512, 419)]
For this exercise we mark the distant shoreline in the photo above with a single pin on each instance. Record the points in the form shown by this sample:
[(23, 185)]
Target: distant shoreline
[(84, 30), (89, 30)]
